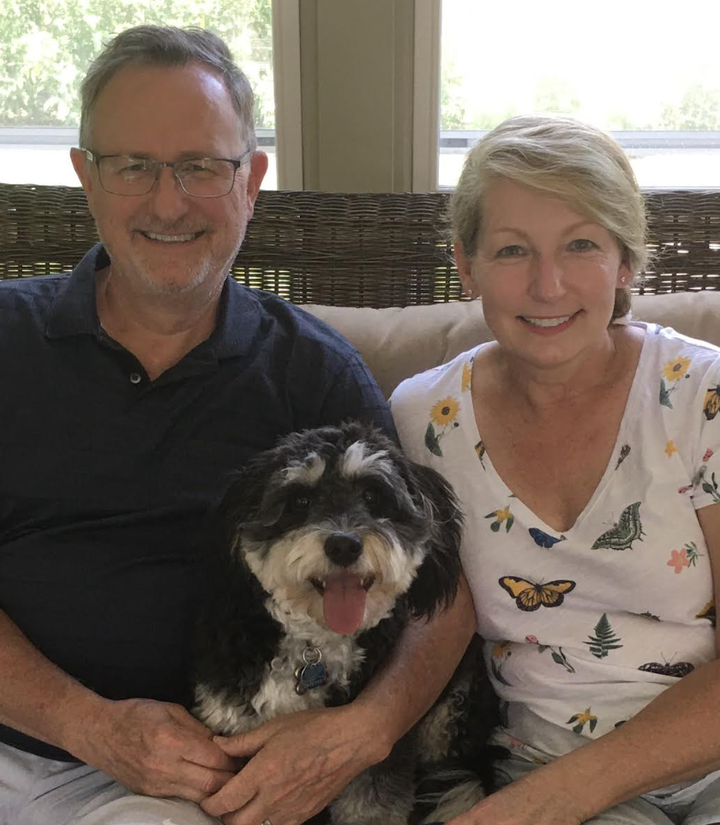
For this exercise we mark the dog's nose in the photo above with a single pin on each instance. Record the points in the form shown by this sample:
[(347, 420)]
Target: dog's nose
[(343, 548)]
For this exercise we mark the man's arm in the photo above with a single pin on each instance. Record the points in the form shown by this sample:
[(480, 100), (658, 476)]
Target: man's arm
[(301, 761), (149, 747)]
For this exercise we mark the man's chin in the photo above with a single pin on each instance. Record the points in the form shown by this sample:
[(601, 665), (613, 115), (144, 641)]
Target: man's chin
[(175, 286), (170, 275), (169, 280)]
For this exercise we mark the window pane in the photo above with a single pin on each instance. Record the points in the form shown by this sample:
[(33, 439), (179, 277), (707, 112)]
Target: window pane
[(46, 46), (648, 73)]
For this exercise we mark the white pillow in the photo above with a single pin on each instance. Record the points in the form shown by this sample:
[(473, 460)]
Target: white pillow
[(401, 341)]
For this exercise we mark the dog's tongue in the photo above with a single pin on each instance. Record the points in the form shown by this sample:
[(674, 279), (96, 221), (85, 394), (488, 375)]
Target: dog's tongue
[(344, 602)]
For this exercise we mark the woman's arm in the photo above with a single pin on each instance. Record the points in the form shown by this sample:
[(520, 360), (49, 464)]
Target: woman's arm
[(675, 738)]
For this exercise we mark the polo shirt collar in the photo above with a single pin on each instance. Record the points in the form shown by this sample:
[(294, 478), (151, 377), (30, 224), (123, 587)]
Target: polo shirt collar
[(74, 311), (238, 321)]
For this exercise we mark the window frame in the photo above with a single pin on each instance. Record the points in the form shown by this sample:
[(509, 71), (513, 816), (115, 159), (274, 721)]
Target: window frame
[(286, 138), (428, 137), (426, 95)]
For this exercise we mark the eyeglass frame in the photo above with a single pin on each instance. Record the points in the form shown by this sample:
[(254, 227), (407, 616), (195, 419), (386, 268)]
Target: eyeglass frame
[(170, 164)]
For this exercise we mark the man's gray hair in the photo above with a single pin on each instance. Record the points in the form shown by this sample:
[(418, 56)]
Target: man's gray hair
[(166, 46)]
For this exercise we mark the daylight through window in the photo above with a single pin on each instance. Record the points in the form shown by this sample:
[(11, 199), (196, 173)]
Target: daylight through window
[(647, 72)]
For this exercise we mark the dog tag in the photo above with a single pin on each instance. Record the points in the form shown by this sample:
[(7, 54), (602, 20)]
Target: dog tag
[(312, 674), (309, 677)]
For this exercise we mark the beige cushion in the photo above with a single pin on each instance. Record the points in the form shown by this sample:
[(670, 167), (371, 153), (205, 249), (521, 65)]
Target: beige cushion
[(399, 342)]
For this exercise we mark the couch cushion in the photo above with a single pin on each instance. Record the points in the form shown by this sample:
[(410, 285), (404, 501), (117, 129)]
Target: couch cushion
[(399, 342)]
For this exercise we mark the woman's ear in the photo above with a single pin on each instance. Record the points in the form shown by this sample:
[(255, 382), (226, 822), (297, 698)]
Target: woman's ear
[(465, 270), (625, 277)]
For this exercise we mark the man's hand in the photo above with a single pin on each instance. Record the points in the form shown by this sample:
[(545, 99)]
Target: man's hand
[(153, 748), (299, 763)]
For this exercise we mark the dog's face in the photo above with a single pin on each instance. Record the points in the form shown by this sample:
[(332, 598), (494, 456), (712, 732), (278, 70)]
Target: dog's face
[(336, 525)]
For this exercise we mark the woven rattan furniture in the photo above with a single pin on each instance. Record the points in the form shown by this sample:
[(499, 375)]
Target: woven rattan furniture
[(372, 250)]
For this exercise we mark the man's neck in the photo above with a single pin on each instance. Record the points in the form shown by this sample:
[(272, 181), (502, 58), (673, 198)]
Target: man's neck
[(158, 329)]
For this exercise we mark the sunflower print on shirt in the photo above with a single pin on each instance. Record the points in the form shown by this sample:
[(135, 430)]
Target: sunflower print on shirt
[(672, 372), (444, 413), (443, 416)]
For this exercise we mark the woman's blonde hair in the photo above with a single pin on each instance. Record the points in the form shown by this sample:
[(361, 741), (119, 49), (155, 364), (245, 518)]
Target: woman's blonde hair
[(575, 162)]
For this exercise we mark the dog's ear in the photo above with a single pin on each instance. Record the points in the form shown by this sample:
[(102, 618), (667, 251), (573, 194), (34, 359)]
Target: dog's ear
[(243, 499), (436, 583)]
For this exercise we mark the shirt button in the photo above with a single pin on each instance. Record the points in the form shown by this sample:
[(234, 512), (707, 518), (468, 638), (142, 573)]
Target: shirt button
[(135, 378)]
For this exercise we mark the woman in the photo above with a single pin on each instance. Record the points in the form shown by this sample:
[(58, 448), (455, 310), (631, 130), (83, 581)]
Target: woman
[(586, 451)]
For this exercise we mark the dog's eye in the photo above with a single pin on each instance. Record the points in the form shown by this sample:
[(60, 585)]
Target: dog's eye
[(300, 501), (370, 497)]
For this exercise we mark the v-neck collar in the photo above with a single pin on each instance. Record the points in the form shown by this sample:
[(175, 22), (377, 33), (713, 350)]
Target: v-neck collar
[(469, 425)]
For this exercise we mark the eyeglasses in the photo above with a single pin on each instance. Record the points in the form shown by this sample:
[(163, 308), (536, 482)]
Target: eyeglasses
[(198, 177)]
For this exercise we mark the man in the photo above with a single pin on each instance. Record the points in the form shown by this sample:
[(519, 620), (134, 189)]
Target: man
[(133, 387)]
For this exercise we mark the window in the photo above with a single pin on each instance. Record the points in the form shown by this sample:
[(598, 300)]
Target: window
[(46, 46), (647, 73)]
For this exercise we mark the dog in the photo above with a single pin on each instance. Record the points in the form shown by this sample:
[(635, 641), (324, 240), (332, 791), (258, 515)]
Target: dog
[(329, 544)]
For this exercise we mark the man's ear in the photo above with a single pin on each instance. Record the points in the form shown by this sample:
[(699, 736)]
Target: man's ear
[(81, 165), (465, 270), (258, 168)]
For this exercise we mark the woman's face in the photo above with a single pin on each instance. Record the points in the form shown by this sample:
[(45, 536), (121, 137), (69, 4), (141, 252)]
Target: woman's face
[(546, 273)]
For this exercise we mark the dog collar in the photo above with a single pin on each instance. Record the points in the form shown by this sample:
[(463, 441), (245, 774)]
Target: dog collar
[(312, 673)]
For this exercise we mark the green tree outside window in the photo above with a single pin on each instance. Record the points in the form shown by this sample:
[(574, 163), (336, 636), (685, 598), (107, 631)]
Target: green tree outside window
[(46, 46)]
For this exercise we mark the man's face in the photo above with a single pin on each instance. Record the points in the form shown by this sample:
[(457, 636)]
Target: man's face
[(166, 241)]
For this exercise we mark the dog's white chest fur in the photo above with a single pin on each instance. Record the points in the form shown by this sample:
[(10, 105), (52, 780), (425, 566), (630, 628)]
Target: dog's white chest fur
[(276, 694)]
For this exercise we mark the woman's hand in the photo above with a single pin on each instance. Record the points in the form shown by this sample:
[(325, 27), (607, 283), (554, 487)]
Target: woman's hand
[(527, 801)]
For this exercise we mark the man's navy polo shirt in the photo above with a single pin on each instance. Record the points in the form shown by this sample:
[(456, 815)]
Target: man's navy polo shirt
[(105, 476)]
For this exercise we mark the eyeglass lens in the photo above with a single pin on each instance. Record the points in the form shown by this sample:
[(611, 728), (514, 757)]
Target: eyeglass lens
[(201, 177)]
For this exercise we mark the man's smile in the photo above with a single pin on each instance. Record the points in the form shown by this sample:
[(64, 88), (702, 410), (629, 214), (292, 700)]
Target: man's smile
[(176, 238)]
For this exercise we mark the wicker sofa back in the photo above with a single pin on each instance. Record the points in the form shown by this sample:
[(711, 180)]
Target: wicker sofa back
[(361, 250)]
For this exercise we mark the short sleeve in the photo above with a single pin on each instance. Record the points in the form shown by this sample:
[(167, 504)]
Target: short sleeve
[(407, 404), (706, 468)]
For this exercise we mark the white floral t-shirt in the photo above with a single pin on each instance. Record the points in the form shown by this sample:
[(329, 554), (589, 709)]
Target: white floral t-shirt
[(584, 628)]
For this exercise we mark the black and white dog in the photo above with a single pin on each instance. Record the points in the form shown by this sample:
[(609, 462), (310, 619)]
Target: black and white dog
[(331, 542)]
